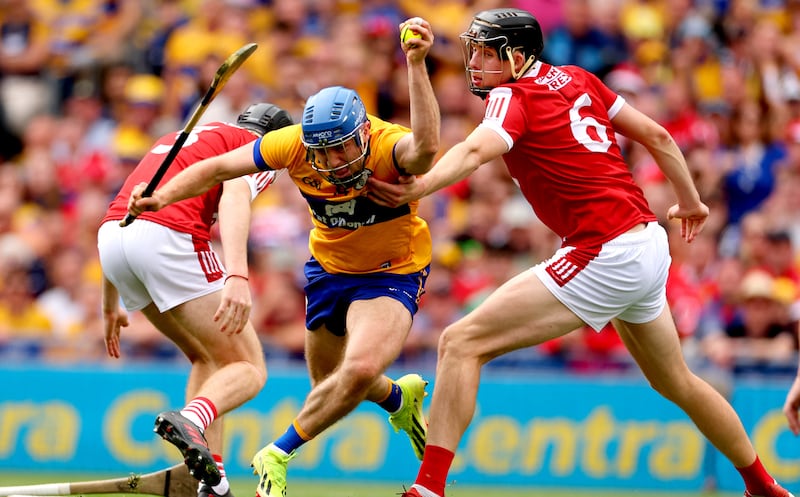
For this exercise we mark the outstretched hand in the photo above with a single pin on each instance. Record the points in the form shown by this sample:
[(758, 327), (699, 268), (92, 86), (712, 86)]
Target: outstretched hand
[(407, 189), (692, 219), (138, 204)]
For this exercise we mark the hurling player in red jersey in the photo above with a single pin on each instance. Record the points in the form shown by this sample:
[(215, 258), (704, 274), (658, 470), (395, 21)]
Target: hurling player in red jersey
[(164, 266), (555, 128)]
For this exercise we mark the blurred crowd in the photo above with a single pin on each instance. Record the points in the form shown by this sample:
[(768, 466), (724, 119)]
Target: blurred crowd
[(86, 86)]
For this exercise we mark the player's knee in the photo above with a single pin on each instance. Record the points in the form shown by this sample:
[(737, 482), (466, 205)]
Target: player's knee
[(464, 343), (261, 374), (258, 371), (452, 344), (358, 375), (673, 388), (251, 377)]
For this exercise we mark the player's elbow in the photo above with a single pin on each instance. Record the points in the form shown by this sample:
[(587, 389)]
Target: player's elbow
[(426, 152), (429, 147), (219, 176), (425, 162), (656, 136), (473, 156), (421, 163)]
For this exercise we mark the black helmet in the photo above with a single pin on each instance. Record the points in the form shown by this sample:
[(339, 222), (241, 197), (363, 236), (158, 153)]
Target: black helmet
[(263, 118), (505, 30)]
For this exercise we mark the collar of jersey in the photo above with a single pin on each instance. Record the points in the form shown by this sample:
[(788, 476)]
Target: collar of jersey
[(534, 70)]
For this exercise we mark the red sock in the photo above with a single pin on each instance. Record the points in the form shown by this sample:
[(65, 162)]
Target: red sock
[(220, 464), (435, 466), (756, 478), (200, 411)]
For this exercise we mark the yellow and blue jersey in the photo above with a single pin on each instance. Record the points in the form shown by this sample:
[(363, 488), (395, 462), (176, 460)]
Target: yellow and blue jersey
[(352, 234)]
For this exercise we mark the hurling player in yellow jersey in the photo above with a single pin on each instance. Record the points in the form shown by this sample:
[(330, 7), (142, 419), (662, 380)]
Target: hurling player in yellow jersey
[(369, 263)]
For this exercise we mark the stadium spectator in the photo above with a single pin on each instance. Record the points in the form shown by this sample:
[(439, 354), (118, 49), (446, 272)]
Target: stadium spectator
[(22, 320), (578, 40), (438, 307), (446, 50), (751, 168), (208, 34), (85, 35), (164, 18), (11, 196), (278, 301), (720, 310), (780, 260), (61, 301), (759, 336), (784, 201), (144, 114), (239, 90), (24, 51)]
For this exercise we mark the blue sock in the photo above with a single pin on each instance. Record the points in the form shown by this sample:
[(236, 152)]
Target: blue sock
[(290, 440), (394, 400)]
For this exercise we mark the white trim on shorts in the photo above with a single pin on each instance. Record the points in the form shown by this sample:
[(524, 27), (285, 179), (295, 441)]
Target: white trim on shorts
[(626, 280), (148, 262)]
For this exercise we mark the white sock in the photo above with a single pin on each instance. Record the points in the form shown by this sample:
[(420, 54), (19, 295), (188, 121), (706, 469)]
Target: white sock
[(191, 416), (424, 492), (277, 449), (223, 487), (200, 411)]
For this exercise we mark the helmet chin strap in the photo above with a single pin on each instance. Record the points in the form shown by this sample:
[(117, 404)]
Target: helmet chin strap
[(518, 74)]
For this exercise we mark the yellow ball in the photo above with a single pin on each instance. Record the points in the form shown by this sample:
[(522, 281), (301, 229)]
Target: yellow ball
[(406, 34)]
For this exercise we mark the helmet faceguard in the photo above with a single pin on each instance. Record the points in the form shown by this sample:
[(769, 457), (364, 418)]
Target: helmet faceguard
[(263, 118), (335, 135), (506, 31)]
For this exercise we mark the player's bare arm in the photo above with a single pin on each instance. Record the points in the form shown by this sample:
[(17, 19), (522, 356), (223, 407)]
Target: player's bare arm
[(480, 147), (234, 227), (690, 209), (195, 180), (415, 152), (114, 318)]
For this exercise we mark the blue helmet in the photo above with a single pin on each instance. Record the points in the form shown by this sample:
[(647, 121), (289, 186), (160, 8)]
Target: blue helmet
[(332, 118)]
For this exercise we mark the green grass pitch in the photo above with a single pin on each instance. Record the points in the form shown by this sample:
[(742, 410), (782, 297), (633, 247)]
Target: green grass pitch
[(245, 487)]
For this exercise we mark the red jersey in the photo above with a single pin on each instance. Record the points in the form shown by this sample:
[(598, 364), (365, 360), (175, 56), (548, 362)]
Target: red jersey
[(193, 215), (563, 153)]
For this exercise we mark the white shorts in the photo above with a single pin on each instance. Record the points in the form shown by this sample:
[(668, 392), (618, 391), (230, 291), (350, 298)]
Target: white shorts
[(627, 279), (148, 262)]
